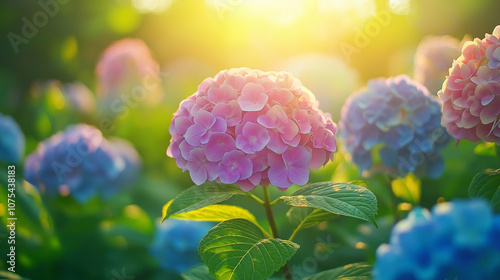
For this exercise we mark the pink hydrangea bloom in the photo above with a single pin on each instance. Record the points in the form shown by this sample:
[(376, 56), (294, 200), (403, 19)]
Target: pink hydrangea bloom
[(127, 70), (433, 58), (251, 128), (471, 92)]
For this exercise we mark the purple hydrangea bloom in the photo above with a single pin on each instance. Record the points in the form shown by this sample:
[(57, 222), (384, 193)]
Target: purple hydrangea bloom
[(398, 118), (12, 140), (458, 240), (175, 244), (80, 162)]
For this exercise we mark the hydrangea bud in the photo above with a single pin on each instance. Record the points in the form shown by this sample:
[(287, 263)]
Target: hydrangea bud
[(458, 240), (175, 244), (251, 127), (471, 92), (78, 162), (12, 140), (398, 119)]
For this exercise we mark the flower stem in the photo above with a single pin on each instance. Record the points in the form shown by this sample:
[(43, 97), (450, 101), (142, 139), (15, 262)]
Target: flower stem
[(274, 228), (256, 198)]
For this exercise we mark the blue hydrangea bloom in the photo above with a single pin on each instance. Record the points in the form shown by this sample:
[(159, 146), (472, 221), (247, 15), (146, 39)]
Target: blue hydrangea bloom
[(400, 119), (175, 245), (458, 240), (78, 162), (11, 141)]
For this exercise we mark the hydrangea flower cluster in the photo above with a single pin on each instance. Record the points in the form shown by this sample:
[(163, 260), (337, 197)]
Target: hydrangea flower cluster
[(471, 92), (398, 118), (127, 71), (81, 163), (12, 140), (433, 58), (459, 240), (251, 127), (175, 244)]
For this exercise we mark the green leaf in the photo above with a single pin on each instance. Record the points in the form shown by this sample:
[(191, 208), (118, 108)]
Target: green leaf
[(307, 217), (197, 272), (212, 213), (200, 196), (486, 149), (237, 249), (338, 198), (407, 188), (487, 185), (354, 271)]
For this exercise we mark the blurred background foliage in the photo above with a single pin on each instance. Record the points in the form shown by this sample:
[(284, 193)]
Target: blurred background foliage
[(191, 40)]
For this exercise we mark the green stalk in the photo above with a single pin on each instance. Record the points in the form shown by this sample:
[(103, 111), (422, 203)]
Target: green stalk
[(274, 228)]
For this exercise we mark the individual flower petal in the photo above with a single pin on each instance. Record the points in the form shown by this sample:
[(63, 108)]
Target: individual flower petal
[(252, 98)]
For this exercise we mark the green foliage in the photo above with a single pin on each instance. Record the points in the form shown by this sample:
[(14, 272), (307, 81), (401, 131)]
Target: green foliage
[(355, 271), (338, 198), (212, 213), (200, 196), (487, 185), (407, 188), (307, 217), (197, 272), (486, 149), (238, 249)]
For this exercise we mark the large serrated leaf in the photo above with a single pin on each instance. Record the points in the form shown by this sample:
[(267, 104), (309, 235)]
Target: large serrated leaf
[(307, 217), (197, 272), (338, 198), (200, 196), (487, 185), (354, 271), (237, 249), (211, 213)]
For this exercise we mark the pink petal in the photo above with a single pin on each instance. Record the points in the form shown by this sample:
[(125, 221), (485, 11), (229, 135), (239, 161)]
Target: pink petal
[(491, 112), (274, 117), (230, 112), (236, 81), (252, 97), (302, 119), (297, 156), (194, 134), (318, 158), (228, 176), (298, 175), (278, 176), (218, 144), (288, 130), (276, 143), (282, 96), (198, 176), (204, 118), (222, 94), (220, 125)]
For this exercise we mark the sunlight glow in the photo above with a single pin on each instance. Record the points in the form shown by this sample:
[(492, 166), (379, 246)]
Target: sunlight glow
[(399, 7), (152, 6)]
